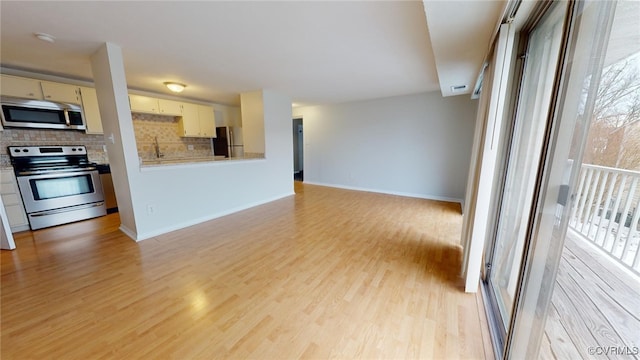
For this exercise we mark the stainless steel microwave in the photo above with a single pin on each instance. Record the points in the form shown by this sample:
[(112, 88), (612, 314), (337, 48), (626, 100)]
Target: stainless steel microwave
[(39, 114)]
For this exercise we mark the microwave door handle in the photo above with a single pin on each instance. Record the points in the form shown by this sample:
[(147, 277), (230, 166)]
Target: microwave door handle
[(66, 117)]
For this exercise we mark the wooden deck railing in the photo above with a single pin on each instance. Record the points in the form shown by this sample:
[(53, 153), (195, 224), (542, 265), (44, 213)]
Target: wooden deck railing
[(606, 212)]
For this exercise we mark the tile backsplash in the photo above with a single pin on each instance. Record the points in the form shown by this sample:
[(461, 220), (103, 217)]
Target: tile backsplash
[(38, 137), (148, 127)]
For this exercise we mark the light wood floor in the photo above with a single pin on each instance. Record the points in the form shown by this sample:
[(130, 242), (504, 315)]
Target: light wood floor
[(594, 303), (327, 273)]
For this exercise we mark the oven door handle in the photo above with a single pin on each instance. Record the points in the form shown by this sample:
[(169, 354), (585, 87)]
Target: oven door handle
[(67, 209), (82, 171)]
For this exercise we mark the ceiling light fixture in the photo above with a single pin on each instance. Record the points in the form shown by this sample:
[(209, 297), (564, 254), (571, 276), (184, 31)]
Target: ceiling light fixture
[(45, 37), (175, 87)]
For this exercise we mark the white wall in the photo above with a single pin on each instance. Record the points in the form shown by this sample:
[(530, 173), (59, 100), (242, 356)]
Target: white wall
[(252, 124), (227, 115), (415, 145)]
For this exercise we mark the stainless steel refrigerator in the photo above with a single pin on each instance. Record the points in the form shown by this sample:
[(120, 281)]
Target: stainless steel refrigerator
[(228, 142)]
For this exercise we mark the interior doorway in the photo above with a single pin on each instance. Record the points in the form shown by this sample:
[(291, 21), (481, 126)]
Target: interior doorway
[(298, 150)]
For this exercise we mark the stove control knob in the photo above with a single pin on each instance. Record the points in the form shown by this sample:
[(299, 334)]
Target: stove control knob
[(25, 150)]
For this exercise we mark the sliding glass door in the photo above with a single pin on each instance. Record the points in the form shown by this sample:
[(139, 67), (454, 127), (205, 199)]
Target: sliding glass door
[(539, 51), (577, 81), (567, 288)]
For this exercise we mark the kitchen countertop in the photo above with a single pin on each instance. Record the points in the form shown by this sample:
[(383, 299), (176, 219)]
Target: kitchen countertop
[(189, 160)]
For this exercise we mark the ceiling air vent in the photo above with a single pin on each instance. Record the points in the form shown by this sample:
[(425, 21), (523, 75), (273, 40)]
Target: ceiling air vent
[(458, 88)]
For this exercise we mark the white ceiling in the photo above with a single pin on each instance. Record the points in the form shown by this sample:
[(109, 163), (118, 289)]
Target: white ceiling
[(316, 52), (461, 34)]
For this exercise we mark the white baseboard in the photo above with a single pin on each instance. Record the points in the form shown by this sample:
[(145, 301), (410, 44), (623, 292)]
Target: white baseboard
[(398, 193), (130, 233)]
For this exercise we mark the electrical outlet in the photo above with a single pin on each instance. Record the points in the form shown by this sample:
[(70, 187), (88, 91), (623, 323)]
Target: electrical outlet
[(189, 147), (150, 209)]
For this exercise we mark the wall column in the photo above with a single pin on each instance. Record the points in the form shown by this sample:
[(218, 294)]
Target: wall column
[(111, 87)]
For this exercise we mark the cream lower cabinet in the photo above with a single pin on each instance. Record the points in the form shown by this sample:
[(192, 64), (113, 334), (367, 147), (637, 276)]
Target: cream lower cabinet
[(12, 201), (197, 121), (91, 111)]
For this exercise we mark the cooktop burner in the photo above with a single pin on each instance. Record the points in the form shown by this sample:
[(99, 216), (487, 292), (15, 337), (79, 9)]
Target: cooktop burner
[(45, 159)]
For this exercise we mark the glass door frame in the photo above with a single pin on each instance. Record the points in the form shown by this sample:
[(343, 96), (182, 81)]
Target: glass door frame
[(499, 333)]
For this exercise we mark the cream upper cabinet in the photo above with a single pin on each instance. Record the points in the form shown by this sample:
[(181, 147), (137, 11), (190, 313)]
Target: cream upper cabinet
[(60, 92), (207, 121), (144, 104), (197, 121), (91, 110), (20, 87), (169, 107), (189, 124)]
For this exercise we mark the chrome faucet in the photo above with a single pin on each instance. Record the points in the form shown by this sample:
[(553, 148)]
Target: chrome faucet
[(157, 147)]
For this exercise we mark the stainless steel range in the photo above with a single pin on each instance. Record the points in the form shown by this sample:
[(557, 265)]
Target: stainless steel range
[(58, 184)]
